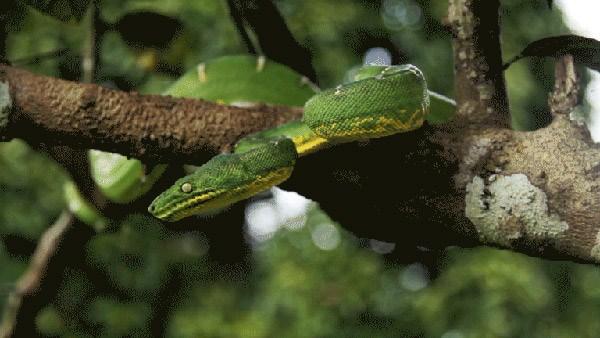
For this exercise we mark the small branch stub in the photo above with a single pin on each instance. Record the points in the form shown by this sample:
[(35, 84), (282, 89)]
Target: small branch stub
[(566, 87)]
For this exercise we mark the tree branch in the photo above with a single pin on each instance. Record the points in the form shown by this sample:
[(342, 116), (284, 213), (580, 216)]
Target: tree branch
[(149, 127), (22, 300), (479, 79), (454, 184), (238, 20), (466, 182), (445, 180), (274, 37)]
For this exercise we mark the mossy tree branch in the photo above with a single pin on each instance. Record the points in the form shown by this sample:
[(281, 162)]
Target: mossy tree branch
[(466, 182)]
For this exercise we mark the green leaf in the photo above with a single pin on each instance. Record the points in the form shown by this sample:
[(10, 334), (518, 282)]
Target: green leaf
[(585, 51), (63, 10)]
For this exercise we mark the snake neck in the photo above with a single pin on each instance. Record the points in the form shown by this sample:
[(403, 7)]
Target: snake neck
[(309, 143)]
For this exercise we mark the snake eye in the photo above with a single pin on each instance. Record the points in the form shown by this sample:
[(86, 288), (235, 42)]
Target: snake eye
[(186, 187)]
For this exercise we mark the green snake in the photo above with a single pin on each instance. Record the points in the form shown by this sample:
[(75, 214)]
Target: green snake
[(382, 101), (346, 113), (236, 79)]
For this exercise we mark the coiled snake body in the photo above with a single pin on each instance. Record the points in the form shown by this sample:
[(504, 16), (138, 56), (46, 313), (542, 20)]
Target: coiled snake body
[(384, 100)]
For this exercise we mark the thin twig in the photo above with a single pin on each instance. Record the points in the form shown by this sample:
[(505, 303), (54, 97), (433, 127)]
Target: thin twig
[(90, 49), (28, 285)]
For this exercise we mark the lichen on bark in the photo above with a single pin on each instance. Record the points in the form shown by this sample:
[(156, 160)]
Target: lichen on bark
[(509, 208)]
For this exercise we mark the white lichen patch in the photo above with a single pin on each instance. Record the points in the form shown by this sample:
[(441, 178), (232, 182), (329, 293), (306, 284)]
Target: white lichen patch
[(509, 208), (5, 104)]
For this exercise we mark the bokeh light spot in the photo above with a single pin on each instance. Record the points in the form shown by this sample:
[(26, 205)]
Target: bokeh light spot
[(414, 277), (325, 236), (453, 334), (262, 220), (401, 14), (380, 247), (377, 56), (291, 208)]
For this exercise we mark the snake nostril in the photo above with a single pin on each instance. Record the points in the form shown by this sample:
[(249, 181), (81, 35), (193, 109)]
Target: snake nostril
[(151, 208)]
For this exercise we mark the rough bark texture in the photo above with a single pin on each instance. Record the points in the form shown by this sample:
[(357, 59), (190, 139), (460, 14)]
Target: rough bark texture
[(150, 127), (535, 192), (463, 184), (479, 79)]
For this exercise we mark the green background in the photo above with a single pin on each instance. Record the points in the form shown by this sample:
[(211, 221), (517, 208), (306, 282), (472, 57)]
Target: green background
[(309, 278)]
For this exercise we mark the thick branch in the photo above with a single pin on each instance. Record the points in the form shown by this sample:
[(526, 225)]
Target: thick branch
[(153, 127), (479, 79), (461, 183)]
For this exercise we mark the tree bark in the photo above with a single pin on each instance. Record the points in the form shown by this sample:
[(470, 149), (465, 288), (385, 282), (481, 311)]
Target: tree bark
[(479, 79), (451, 177), (149, 127)]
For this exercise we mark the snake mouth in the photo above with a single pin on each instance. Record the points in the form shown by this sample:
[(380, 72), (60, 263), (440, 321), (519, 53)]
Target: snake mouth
[(208, 202), (175, 210)]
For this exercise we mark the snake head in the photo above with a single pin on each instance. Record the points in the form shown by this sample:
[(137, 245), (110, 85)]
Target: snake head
[(226, 179), (186, 196)]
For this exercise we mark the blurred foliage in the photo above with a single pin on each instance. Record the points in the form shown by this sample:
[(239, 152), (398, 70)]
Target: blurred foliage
[(64, 10), (31, 190), (306, 277)]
